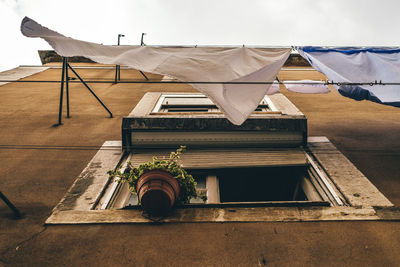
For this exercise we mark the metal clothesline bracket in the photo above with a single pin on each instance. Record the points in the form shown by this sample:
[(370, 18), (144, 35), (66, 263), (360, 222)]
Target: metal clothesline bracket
[(118, 74), (65, 79), (17, 213)]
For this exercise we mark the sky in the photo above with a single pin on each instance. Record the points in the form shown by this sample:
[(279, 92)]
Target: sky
[(201, 22)]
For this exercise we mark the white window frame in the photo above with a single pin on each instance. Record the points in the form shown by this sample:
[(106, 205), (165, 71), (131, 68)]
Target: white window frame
[(157, 107)]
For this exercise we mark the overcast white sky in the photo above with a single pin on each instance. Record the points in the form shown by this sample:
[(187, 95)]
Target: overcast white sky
[(202, 22)]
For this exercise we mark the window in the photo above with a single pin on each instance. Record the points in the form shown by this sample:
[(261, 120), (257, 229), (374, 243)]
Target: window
[(169, 120), (243, 177), (198, 103)]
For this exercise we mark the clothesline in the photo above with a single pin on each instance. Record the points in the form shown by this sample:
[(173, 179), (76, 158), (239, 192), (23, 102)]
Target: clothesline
[(202, 82), (214, 46), (293, 47)]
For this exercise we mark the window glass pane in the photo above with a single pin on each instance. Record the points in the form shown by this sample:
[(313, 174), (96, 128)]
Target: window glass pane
[(200, 179), (133, 200)]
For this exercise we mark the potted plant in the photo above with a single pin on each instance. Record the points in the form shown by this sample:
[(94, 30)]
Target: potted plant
[(159, 183)]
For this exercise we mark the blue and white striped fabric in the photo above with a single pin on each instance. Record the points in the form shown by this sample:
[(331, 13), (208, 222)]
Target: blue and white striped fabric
[(359, 65)]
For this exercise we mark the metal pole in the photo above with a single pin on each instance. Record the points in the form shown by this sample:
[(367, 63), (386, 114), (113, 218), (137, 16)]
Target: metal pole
[(119, 72), (116, 74), (90, 90), (64, 66), (67, 86), (17, 213), (117, 67), (144, 75), (142, 43), (141, 40)]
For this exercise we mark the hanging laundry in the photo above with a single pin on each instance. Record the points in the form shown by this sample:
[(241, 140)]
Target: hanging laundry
[(189, 64), (306, 87), (274, 89), (366, 66)]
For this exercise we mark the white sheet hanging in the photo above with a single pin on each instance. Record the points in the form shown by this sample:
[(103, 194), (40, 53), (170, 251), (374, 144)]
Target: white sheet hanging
[(306, 87), (200, 64), (359, 65)]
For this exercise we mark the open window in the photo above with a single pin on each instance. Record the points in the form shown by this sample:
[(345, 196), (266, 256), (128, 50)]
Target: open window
[(261, 162), (245, 177)]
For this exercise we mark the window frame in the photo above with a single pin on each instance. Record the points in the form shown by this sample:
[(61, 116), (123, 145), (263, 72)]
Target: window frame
[(316, 184), (158, 108)]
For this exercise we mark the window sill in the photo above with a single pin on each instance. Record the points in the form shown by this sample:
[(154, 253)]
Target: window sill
[(221, 215)]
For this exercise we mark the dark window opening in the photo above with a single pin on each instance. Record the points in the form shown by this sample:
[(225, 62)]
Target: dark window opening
[(193, 108), (261, 184), (262, 108)]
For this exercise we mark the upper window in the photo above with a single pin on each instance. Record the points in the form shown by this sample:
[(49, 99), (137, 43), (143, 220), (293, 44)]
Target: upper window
[(198, 103)]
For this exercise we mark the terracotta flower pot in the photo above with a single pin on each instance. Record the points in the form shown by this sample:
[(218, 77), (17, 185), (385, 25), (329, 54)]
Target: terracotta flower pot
[(157, 191)]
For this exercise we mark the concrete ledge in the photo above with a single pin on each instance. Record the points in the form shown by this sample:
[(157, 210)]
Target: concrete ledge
[(223, 215)]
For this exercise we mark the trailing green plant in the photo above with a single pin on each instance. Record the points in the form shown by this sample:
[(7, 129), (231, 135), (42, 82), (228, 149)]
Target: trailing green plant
[(171, 165)]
